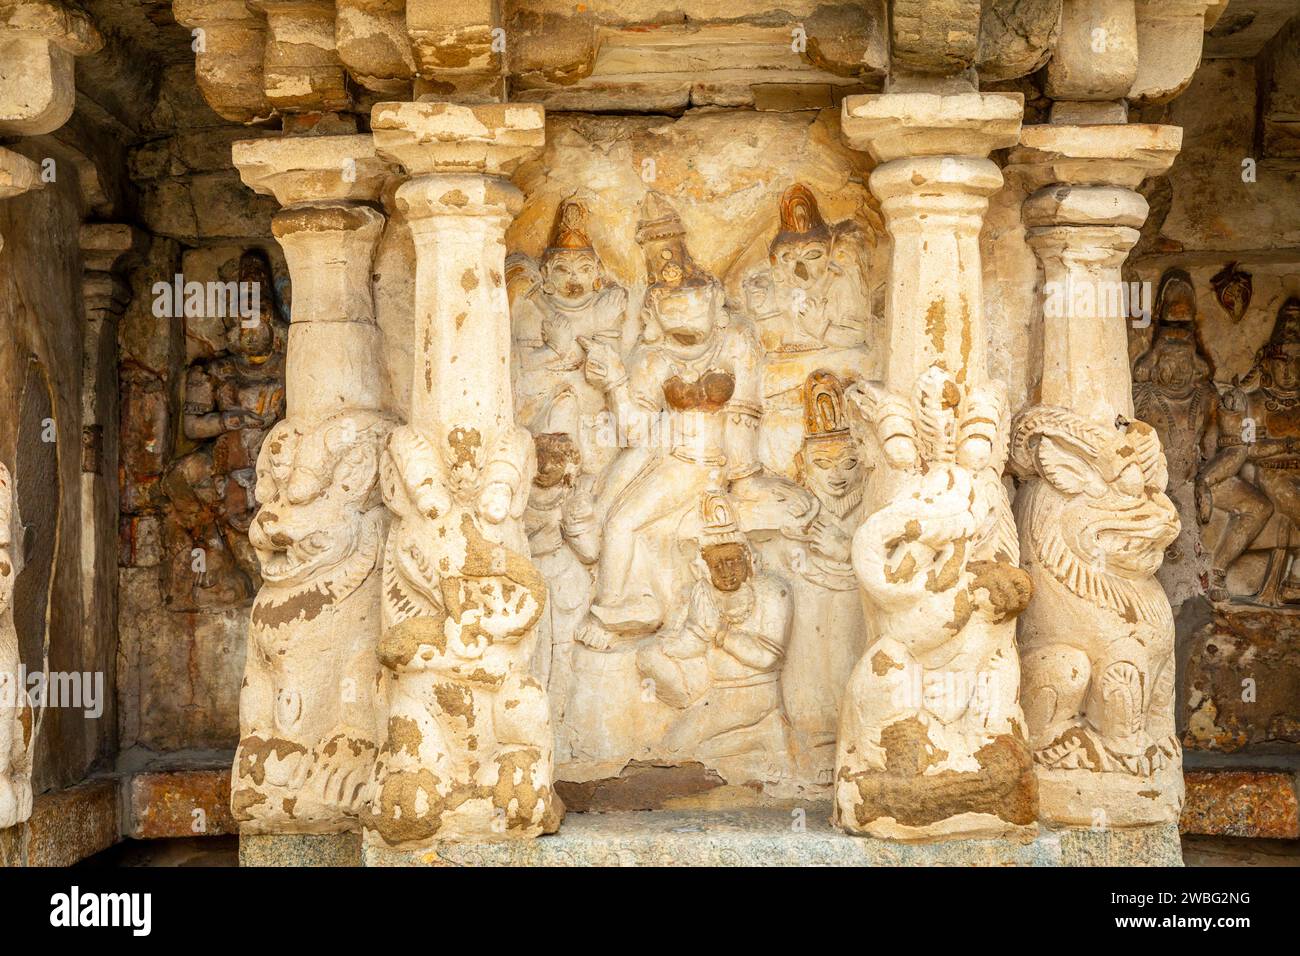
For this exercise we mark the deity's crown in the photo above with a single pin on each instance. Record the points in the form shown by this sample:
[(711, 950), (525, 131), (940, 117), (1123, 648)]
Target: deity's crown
[(1286, 330), (718, 523), (663, 237), (570, 229), (800, 217), (823, 407), (1175, 282)]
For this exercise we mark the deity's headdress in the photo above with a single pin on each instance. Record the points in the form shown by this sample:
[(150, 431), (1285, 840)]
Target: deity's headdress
[(800, 217), (662, 236), (824, 416), (1174, 283), (570, 229), (718, 523)]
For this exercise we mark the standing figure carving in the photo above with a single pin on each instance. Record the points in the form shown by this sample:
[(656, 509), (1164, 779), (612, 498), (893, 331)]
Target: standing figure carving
[(1173, 392), (1254, 477)]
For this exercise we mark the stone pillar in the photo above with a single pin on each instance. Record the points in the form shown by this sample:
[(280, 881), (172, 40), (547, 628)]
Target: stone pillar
[(1096, 643), (229, 42), (931, 739), (17, 721), (470, 747), (311, 709)]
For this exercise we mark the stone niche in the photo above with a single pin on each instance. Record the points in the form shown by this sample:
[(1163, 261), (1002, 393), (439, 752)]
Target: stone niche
[(691, 198)]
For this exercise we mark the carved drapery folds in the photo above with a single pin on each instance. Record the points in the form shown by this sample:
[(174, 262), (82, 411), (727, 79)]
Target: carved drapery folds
[(1097, 641), (311, 708), (469, 750), (931, 739)]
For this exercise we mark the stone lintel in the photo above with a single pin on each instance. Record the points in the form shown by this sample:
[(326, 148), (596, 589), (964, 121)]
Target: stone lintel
[(491, 139), (312, 168), (1093, 155), (897, 125)]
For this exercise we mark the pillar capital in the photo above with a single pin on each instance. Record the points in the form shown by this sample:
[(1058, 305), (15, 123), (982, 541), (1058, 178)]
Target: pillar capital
[(312, 168), (1107, 155), (490, 139), (892, 126)]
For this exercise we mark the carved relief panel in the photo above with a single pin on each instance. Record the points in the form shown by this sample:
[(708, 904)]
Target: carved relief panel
[(683, 341)]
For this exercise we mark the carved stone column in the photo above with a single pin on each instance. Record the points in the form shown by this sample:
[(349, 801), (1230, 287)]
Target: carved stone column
[(17, 720), (932, 740), (311, 709), (469, 753), (1097, 641)]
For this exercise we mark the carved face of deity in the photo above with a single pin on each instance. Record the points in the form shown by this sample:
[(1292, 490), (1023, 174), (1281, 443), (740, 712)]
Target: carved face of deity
[(729, 565), (688, 314), (1284, 368), (801, 263), (831, 467), (572, 275)]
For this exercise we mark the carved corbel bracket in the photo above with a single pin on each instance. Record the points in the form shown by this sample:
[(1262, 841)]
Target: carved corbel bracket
[(39, 43)]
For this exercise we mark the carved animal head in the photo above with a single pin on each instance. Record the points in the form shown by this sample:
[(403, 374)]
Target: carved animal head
[(314, 484), (1102, 508)]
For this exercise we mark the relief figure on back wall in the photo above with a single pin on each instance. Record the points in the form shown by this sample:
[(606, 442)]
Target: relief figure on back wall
[(230, 404), (1255, 475), (1173, 392)]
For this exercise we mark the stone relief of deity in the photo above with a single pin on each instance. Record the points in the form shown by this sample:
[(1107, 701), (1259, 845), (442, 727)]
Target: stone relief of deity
[(614, 515), (1248, 493), (231, 403), (1173, 392)]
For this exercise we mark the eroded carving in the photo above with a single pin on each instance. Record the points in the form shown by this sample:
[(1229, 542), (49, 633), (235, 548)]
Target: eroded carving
[(932, 741), (310, 716), (1254, 476), (1096, 643)]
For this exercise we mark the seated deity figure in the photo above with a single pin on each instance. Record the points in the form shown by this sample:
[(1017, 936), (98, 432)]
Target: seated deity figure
[(1256, 470), (568, 298), (832, 631), (810, 304), (688, 402), (718, 661), (1173, 392)]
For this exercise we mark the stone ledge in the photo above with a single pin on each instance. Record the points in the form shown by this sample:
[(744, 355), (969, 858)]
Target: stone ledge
[(65, 827), (163, 804), (1241, 803), (763, 837)]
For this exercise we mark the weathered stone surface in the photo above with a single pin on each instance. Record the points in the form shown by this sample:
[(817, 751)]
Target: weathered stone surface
[(1242, 683), (70, 825), (1241, 803), (300, 849), (800, 836), (179, 803)]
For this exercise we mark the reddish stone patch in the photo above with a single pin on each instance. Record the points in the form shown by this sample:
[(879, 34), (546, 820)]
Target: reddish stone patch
[(1241, 803)]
